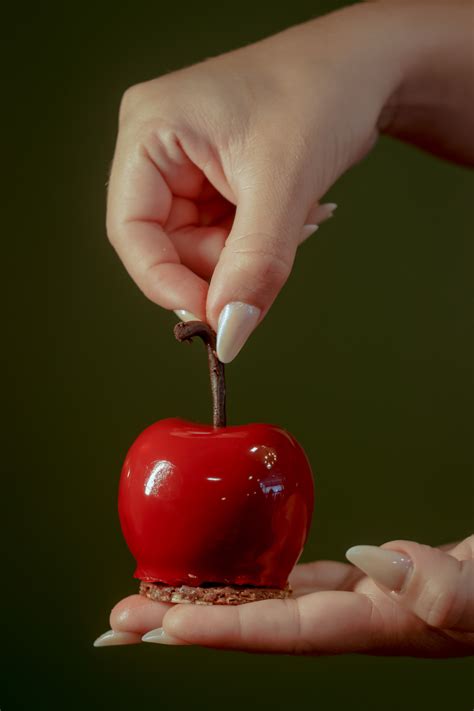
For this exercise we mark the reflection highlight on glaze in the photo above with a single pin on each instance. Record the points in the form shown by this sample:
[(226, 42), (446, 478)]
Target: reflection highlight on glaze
[(160, 471), (273, 485), (266, 455)]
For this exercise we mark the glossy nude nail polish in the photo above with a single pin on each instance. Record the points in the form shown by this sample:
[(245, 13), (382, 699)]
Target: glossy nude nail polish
[(236, 322)]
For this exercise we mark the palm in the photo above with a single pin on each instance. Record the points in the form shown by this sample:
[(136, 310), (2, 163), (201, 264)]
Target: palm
[(334, 609)]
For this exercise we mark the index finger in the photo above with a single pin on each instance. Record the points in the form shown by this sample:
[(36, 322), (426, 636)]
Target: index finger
[(139, 202), (321, 623)]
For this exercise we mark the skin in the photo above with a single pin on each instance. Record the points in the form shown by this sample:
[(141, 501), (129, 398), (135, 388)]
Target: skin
[(336, 609), (206, 206), (200, 162)]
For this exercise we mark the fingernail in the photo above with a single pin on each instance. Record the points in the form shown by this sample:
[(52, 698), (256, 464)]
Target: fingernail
[(385, 567), (159, 636), (236, 323), (186, 315), (307, 231), (112, 638), (323, 212)]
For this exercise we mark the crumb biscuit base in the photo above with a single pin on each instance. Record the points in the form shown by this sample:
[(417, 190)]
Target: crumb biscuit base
[(219, 595)]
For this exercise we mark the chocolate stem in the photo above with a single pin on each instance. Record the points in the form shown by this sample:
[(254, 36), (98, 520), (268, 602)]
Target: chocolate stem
[(186, 331)]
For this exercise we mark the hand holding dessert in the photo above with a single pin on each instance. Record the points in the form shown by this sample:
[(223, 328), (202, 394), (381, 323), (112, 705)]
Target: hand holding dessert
[(412, 600), (218, 176), (216, 518), (220, 168)]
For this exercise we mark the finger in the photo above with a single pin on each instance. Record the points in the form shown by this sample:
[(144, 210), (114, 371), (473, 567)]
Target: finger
[(255, 264), (199, 248), (130, 619), (448, 547), (316, 216), (137, 614), (215, 210), (320, 213), (436, 586), (323, 575), (325, 623), (139, 204), (183, 213)]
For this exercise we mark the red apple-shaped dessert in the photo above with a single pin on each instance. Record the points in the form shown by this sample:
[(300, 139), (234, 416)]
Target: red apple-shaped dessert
[(214, 506)]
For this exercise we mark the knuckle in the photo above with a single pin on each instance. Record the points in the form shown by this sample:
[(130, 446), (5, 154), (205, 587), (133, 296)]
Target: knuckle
[(268, 265), (382, 626), (443, 604), (239, 625), (301, 642), (150, 100), (439, 608), (273, 270), (132, 98)]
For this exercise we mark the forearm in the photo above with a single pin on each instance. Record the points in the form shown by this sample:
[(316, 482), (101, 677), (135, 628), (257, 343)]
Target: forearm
[(416, 56), (434, 105)]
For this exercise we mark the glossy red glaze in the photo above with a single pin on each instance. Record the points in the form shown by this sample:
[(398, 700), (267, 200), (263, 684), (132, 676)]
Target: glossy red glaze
[(230, 505)]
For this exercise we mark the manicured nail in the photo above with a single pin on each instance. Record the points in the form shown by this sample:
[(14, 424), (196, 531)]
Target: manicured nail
[(331, 207), (385, 567), (307, 231), (322, 212), (186, 315), (159, 636), (236, 323), (112, 638)]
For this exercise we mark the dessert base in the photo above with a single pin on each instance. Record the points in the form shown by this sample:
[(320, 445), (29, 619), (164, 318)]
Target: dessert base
[(218, 595)]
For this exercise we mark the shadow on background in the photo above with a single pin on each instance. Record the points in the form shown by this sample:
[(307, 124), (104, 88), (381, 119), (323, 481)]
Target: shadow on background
[(375, 379)]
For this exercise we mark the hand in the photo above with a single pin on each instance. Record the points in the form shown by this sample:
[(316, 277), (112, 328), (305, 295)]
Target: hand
[(336, 609), (219, 168)]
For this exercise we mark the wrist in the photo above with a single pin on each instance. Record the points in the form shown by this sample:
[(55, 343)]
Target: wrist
[(399, 54), (348, 47), (359, 55), (433, 41)]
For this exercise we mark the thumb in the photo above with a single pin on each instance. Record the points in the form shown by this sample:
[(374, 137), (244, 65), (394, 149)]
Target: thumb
[(436, 586), (255, 263)]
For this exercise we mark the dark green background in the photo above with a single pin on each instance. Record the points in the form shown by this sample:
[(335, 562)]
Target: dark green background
[(379, 308)]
